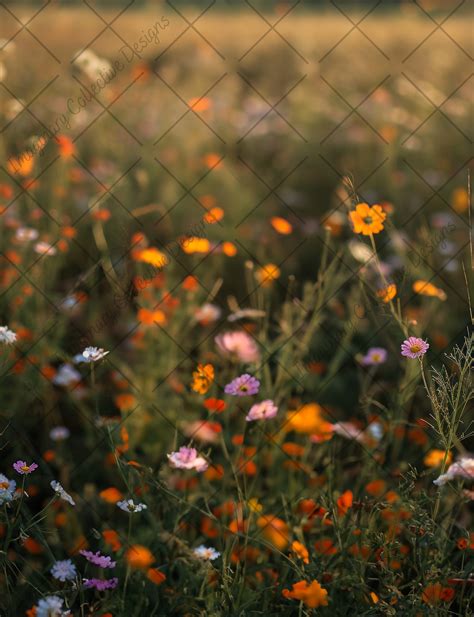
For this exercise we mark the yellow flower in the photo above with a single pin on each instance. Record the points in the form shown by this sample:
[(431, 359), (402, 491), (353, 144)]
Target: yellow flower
[(194, 244), (388, 293), (202, 378), (460, 199), (434, 458), (367, 220), (424, 288), (152, 256), (267, 274)]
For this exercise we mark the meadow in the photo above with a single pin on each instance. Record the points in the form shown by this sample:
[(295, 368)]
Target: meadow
[(236, 345)]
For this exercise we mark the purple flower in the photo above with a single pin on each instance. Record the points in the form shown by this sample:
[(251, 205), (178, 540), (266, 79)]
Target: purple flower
[(103, 561), (374, 356), (22, 468), (187, 458), (100, 584), (262, 411), (245, 385), (64, 570), (414, 347)]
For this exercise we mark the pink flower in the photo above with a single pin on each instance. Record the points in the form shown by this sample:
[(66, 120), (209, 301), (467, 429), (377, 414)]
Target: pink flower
[(414, 347), (187, 458), (22, 468), (238, 345), (262, 411), (203, 430), (464, 468)]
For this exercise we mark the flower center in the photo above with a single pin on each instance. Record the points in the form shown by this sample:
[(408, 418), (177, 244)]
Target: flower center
[(4, 484), (415, 348), (376, 357), (368, 220), (25, 468)]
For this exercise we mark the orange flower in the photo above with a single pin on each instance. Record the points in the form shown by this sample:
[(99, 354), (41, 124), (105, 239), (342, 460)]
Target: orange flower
[(325, 546), (125, 401), (311, 594), (22, 165), (424, 288), (432, 594), (275, 530), (149, 318), (66, 146), (387, 293), (308, 419), (267, 274), (213, 216), (434, 458), (139, 557), (344, 502), (460, 199), (229, 249), (151, 256), (33, 546), (190, 283), (194, 244), (155, 576), (200, 104), (376, 488), (281, 225), (215, 404), (300, 550), (367, 220), (202, 378), (111, 495)]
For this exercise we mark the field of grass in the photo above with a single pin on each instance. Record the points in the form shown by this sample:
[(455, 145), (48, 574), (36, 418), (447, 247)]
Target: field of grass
[(182, 200)]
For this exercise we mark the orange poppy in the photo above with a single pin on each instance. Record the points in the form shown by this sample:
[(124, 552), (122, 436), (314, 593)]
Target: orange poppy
[(139, 557), (311, 594)]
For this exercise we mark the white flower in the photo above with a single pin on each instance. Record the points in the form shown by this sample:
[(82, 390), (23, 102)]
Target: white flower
[(464, 468), (44, 248), (64, 570), (129, 506), (204, 552), (51, 606), (92, 354), (208, 313), (66, 376), (25, 234), (60, 492), (59, 433), (7, 489), (7, 336)]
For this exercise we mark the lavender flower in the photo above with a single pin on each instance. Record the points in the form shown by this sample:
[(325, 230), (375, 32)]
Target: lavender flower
[(51, 606), (64, 570), (22, 468), (100, 584), (102, 561), (374, 356), (187, 458), (245, 385)]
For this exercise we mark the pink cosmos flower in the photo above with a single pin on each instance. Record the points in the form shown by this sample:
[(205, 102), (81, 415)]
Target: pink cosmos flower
[(244, 385), (238, 345), (22, 468), (262, 411), (187, 458), (202, 430), (414, 347), (464, 468)]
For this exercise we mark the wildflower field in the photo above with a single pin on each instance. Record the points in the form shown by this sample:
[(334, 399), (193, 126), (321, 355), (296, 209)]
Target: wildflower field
[(236, 283)]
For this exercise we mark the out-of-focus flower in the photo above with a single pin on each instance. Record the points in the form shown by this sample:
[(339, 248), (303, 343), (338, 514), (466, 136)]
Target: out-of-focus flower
[(246, 314), (202, 378), (66, 376), (60, 492), (244, 385), (26, 234), (93, 354), (203, 430), (367, 220), (262, 411), (300, 551), (281, 225), (436, 593), (102, 561), (207, 314), (22, 468), (187, 458), (128, 505), (44, 248), (59, 433), (155, 576), (434, 458), (387, 293), (464, 468), (414, 347), (424, 288), (100, 584), (360, 251), (275, 530), (308, 419), (344, 502), (64, 570), (460, 199), (267, 274), (208, 553), (50, 606), (311, 594), (7, 489), (374, 356), (238, 345), (139, 557), (7, 336)]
